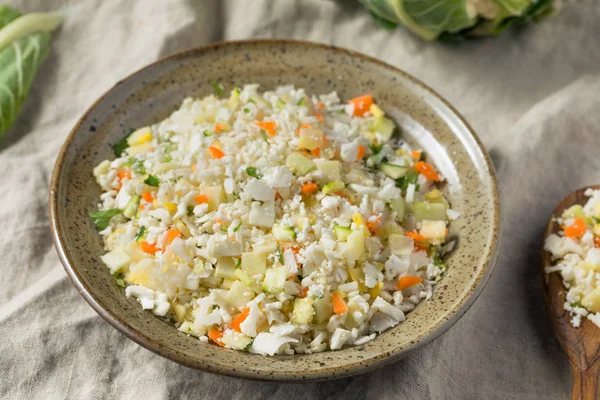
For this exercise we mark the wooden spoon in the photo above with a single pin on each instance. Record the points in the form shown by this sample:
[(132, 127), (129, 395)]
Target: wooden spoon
[(582, 344)]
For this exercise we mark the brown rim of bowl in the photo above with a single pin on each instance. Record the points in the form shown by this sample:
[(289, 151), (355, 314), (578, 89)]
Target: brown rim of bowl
[(349, 370)]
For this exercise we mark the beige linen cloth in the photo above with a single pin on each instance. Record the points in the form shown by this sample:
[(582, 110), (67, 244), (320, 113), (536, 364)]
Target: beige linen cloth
[(533, 96)]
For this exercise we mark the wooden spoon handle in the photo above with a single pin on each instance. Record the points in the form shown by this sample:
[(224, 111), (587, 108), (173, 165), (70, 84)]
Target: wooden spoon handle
[(586, 383)]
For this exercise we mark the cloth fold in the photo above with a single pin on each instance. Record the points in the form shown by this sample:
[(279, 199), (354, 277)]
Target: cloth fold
[(532, 94)]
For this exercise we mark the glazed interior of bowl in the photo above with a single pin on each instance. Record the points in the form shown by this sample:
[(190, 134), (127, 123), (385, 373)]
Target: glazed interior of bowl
[(149, 95)]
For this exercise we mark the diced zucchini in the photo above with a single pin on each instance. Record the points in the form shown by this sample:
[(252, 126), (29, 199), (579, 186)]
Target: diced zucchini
[(310, 138), (393, 171), (303, 311), (341, 232), (274, 279), (225, 268), (433, 230), (425, 210), (254, 263), (116, 260), (132, 206), (283, 233), (355, 245), (399, 206), (299, 164), (400, 245), (239, 295), (333, 187), (323, 309), (384, 126), (330, 170)]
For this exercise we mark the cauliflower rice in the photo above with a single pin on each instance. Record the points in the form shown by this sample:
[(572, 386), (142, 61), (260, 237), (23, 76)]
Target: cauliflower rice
[(577, 254), (274, 222)]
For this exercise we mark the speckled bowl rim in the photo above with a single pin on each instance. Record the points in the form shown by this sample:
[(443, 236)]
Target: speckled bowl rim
[(350, 369)]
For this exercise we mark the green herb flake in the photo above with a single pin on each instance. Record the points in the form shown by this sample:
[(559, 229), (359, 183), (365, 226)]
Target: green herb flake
[(238, 263), (219, 89), (251, 171), (102, 218), (301, 102), (411, 177), (224, 228), (206, 134), (152, 180), (141, 233), (122, 145), (439, 262), (189, 329), (264, 135), (190, 210), (119, 278), (376, 149), (280, 254), (246, 110)]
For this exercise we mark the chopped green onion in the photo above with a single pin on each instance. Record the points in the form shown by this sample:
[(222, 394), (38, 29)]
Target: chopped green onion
[(238, 263), (122, 145), (251, 171), (190, 210), (140, 233), (411, 177), (224, 228), (246, 110), (301, 102), (264, 135), (206, 133), (119, 278), (237, 228), (152, 180), (376, 149), (280, 254), (102, 218), (219, 89), (237, 89), (438, 262)]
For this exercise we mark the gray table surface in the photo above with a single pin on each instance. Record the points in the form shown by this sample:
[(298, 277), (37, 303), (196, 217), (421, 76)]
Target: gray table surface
[(533, 96)]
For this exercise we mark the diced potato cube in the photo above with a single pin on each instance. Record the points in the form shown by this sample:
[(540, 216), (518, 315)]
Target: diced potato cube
[(180, 311), (400, 245), (225, 268), (239, 295), (330, 170), (433, 230), (116, 260), (214, 195)]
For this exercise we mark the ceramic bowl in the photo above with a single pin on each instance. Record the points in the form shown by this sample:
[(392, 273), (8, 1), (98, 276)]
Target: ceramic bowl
[(149, 95)]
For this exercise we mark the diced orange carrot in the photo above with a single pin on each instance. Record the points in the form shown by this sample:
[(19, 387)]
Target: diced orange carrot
[(193, 167), (142, 206), (215, 335), (374, 225), (576, 229), (147, 196), (201, 199), (171, 235), (216, 152), (291, 246), (339, 306), (320, 105), (416, 154), (237, 321), (268, 126), (303, 126), (597, 241), (361, 104), (408, 281), (309, 188), (149, 248), (303, 293), (427, 171), (344, 196), (316, 152), (419, 247), (417, 237), (219, 128), (319, 116), (362, 150), (122, 174)]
